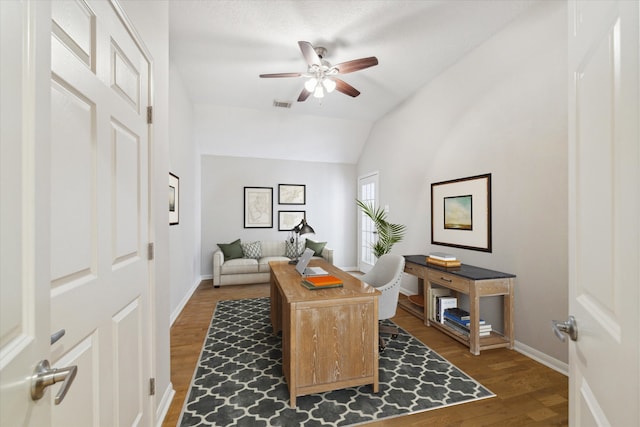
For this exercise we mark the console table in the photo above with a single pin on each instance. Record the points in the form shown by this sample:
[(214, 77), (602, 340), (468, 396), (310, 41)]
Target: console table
[(473, 281)]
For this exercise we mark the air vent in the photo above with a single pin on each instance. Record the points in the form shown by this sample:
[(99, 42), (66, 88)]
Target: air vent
[(282, 104)]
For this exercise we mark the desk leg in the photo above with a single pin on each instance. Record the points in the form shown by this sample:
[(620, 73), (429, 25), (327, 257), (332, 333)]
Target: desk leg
[(276, 306)]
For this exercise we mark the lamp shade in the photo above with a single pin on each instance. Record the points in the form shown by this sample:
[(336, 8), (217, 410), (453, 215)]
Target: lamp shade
[(303, 228)]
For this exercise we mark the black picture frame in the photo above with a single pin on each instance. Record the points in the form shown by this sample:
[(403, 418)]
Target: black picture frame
[(174, 199), (258, 207), (292, 194), (471, 227), (287, 220)]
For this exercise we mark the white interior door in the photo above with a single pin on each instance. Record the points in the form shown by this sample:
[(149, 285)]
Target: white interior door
[(75, 218), (99, 214), (367, 235), (604, 213), (24, 295)]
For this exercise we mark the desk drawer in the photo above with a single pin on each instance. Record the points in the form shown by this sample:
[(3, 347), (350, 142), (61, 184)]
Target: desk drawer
[(448, 281), (415, 270)]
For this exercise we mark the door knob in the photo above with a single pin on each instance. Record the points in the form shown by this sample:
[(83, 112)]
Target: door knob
[(44, 376), (569, 327)]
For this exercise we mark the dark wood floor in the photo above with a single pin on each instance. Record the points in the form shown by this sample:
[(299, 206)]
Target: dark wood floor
[(528, 393)]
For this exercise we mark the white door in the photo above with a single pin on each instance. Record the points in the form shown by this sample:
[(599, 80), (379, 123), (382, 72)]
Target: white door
[(604, 213), (92, 218), (367, 193), (24, 295)]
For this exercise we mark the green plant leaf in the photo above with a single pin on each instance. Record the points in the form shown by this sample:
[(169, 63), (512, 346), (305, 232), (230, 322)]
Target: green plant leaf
[(388, 233)]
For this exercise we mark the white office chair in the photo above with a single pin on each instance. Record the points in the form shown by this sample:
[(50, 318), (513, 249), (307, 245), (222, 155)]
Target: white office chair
[(386, 276)]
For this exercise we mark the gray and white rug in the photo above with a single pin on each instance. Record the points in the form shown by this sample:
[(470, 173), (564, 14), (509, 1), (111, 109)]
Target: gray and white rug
[(239, 381)]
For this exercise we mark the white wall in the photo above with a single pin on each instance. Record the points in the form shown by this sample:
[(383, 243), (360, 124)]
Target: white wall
[(330, 202), (501, 110), (184, 161)]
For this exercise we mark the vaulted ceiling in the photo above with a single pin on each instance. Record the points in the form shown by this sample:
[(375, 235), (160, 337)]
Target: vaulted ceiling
[(221, 47)]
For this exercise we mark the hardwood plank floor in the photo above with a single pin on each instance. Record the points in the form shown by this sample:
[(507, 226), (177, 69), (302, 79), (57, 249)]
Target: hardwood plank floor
[(528, 393)]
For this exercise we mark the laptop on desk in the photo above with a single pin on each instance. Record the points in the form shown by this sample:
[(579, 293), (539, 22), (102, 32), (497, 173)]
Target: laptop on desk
[(302, 268)]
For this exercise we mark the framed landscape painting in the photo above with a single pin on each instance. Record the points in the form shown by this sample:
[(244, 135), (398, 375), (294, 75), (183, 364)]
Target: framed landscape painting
[(461, 213)]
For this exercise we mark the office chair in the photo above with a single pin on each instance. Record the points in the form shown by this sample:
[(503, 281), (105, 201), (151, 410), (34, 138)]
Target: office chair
[(386, 276)]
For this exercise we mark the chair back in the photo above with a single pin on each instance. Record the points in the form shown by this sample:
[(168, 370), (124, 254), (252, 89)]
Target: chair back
[(386, 276)]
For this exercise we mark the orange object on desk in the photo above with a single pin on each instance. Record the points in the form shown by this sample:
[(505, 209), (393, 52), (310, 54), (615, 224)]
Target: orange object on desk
[(323, 280)]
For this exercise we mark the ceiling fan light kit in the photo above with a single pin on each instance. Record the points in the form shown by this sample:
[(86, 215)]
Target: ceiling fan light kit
[(321, 75)]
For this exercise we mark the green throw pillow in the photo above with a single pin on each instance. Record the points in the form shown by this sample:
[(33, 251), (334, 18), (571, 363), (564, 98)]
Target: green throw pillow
[(231, 250), (316, 246)]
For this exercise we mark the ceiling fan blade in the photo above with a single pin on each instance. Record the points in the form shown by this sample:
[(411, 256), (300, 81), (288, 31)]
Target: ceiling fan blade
[(303, 95), (356, 64), (309, 53), (280, 75), (346, 88)]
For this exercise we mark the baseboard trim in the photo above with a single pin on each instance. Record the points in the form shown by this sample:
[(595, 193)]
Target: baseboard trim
[(163, 407), (183, 303), (543, 358)]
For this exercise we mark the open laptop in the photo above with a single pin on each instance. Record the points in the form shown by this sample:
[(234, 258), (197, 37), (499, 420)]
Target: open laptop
[(302, 268)]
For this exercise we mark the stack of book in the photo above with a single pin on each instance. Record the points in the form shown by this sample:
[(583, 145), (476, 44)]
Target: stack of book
[(321, 282), (459, 319), (434, 301), (443, 260), (442, 305)]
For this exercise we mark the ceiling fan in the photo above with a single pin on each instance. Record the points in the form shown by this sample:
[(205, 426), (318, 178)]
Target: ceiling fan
[(321, 74)]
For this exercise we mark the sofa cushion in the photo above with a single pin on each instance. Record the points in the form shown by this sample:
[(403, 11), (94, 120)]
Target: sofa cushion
[(290, 249), (252, 250), (263, 263), (239, 266), (231, 250), (316, 246), (272, 247)]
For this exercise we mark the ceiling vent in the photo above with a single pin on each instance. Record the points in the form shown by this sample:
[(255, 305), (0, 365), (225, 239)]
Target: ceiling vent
[(282, 104)]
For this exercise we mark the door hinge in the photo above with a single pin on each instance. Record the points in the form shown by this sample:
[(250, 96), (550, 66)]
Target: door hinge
[(152, 386), (149, 115), (151, 251)]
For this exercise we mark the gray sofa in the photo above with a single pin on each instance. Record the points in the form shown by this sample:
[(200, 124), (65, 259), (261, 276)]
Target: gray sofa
[(254, 270)]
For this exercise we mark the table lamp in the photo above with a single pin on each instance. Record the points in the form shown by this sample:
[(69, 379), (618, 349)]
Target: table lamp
[(302, 228)]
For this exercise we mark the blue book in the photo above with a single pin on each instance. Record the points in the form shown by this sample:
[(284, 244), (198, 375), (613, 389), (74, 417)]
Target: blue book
[(449, 314)]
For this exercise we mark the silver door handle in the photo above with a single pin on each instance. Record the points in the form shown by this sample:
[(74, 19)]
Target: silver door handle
[(57, 335), (44, 376), (569, 327)]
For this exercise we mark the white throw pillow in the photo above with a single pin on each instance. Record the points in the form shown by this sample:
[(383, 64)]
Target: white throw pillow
[(252, 250), (290, 249)]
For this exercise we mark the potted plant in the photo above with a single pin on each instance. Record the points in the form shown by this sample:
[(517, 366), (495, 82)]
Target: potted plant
[(388, 233)]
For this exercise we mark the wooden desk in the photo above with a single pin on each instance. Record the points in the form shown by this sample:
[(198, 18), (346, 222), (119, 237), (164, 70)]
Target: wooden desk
[(473, 281), (329, 336)]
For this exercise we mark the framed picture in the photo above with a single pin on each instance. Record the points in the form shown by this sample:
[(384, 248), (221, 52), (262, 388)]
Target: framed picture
[(174, 199), (461, 213), (258, 207), (291, 194), (289, 219)]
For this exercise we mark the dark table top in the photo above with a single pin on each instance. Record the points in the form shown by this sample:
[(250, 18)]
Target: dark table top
[(465, 270)]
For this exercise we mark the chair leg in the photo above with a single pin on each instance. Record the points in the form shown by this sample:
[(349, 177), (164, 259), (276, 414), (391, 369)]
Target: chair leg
[(384, 329)]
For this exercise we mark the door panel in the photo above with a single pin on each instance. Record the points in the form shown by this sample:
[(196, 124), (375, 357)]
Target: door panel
[(24, 298), (604, 243), (100, 220)]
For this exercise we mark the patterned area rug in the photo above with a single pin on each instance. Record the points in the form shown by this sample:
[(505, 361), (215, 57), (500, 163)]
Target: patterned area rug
[(239, 381)]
